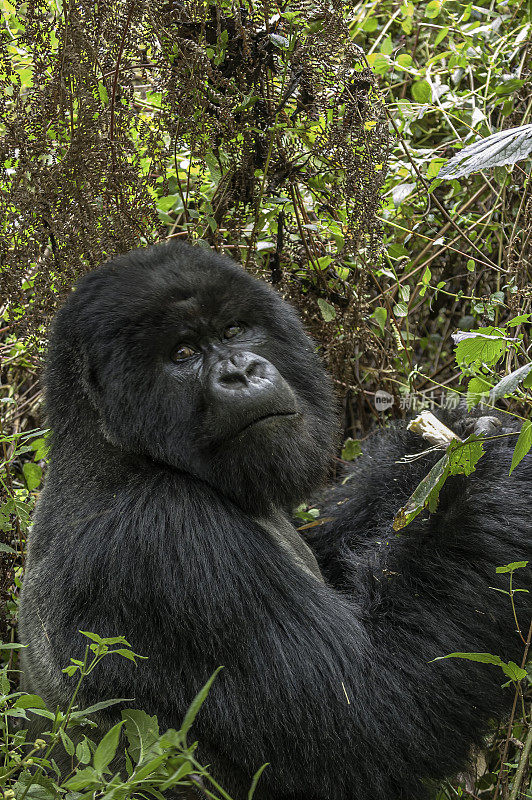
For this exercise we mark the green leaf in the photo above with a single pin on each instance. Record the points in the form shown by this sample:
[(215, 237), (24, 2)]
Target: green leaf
[(433, 9), (480, 350), (524, 443), (477, 391), (396, 251), (400, 309), (421, 92), (255, 780), (185, 769), (387, 46), (5, 548), (83, 779), (106, 750), (324, 262), (425, 494), (404, 60), (380, 315), (370, 25), (510, 669), (68, 744), (504, 147), (328, 312), (513, 671), (196, 704), (83, 752), (463, 456), (168, 202), (85, 712), (519, 320), (509, 383), (41, 447), (433, 171), (30, 701), (129, 654), (441, 36), (32, 475), (142, 732), (351, 449), (512, 567), (150, 767)]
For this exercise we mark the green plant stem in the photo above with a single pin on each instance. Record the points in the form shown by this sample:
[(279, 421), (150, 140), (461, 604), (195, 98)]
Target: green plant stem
[(523, 763)]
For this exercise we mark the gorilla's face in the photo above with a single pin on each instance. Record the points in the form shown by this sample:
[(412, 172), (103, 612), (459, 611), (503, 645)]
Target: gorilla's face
[(190, 361)]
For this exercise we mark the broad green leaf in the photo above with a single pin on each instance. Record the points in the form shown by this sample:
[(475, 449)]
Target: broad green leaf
[(404, 60), (328, 312), (524, 443), (463, 456), (168, 202), (400, 309), (38, 787), (513, 671), (519, 320), (32, 475), (106, 750), (421, 92), (480, 350), (396, 251), (30, 701), (432, 9), (509, 383), (41, 447), (512, 567), (504, 147), (441, 36), (142, 732)]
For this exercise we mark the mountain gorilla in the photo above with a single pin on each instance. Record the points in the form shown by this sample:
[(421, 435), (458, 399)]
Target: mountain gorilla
[(190, 413)]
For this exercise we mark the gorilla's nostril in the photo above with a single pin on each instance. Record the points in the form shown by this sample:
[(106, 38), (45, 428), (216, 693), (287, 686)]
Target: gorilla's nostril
[(234, 379), (255, 370)]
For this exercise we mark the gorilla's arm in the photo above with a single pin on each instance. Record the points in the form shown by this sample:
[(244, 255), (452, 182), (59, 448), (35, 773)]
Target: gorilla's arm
[(333, 687)]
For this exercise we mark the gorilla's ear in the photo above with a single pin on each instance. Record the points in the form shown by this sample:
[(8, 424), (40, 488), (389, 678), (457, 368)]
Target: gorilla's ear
[(94, 392), (90, 382)]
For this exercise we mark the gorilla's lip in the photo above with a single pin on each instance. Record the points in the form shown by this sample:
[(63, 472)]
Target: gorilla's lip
[(271, 415)]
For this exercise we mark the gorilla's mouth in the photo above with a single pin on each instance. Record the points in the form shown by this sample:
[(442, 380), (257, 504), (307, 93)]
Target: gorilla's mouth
[(273, 415)]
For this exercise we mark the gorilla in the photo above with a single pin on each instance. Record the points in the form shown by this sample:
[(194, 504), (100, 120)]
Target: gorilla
[(190, 414)]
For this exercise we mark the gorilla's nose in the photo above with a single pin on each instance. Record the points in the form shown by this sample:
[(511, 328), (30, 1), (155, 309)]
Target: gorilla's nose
[(243, 371)]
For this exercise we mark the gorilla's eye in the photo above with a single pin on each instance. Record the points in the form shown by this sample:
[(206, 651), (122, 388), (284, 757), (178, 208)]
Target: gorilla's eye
[(183, 352), (233, 330)]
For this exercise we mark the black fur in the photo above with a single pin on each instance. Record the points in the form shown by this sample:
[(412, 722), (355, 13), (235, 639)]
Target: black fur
[(159, 521)]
